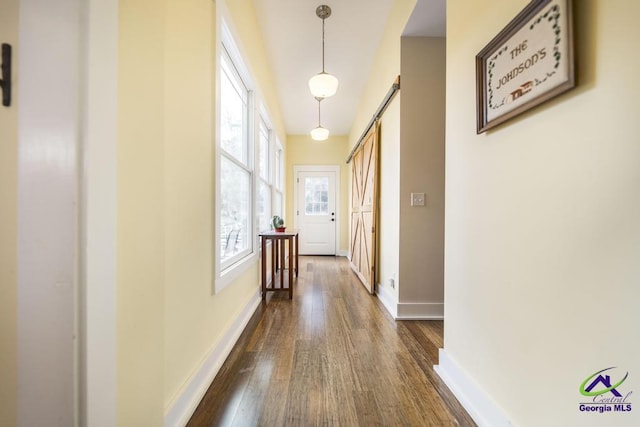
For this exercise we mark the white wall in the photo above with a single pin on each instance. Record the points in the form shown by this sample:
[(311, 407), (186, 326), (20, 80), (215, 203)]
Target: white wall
[(48, 126), (542, 223)]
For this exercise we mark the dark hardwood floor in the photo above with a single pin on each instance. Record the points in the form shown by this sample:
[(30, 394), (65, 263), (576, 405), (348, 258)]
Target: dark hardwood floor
[(332, 356)]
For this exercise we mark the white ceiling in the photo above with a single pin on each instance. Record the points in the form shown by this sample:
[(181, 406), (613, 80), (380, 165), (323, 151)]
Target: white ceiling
[(292, 35)]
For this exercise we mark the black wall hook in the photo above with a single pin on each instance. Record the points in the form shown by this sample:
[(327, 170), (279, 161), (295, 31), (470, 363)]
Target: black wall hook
[(5, 78)]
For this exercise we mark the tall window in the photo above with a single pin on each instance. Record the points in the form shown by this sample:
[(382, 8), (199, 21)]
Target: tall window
[(250, 166), (236, 166), (264, 181), (278, 179)]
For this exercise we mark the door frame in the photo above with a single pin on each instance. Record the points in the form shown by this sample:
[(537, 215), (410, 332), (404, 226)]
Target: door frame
[(98, 216), (318, 168)]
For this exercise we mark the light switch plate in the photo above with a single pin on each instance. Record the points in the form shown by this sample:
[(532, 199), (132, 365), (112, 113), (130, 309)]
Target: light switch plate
[(417, 199)]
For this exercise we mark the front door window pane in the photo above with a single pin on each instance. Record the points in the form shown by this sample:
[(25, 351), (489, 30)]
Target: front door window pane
[(316, 191)]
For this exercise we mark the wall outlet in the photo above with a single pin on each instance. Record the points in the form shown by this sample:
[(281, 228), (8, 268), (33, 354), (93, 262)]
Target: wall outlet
[(418, 199)]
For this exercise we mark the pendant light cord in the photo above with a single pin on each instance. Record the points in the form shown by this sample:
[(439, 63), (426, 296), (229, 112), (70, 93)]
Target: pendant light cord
[(322, 45)]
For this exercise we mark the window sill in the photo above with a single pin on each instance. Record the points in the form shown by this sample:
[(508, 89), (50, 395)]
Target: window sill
[(233, 272)]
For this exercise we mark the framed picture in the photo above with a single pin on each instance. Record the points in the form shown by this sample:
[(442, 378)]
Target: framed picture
[(529, 62)]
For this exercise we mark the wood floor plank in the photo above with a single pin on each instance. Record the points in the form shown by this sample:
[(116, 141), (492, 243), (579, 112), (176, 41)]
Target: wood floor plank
[(367, 409), (425, 363), (332, 356)]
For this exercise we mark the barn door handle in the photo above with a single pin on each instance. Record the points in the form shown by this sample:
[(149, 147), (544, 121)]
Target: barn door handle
[(5, 75)]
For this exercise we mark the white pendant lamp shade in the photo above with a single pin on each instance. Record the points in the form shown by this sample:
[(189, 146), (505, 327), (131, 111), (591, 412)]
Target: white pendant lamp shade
[(319, 134), (323, 85)]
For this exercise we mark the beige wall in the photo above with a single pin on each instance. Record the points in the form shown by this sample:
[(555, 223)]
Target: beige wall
[(188, 191), (422, 123), (245, 22), (140, 235), (8, 226), (542, 222), (169, 321), (411, 239), (384, 71), (385, 68), (302, 150), (189, 187)]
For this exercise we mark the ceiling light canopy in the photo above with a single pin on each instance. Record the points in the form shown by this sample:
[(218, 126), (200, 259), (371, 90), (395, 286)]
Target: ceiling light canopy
[(323, 84)]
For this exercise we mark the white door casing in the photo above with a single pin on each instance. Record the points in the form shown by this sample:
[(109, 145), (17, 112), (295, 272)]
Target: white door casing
[(66, 96), (316, 208)]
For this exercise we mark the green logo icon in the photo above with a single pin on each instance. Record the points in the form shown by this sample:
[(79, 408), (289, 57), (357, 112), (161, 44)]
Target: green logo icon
[(605, 380)]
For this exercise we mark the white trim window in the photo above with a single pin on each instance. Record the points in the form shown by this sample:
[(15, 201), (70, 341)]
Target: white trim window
[(236, 166), (264, 176), (249, 163), (271, 174), (278, 179)]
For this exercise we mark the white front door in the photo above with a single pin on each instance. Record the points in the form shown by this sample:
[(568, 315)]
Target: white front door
[(316, 214)]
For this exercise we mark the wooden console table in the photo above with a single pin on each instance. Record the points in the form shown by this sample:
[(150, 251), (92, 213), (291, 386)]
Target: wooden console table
[(277, 259)]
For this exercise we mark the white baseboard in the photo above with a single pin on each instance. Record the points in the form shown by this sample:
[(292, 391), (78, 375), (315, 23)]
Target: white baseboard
[(388, 300), (190, 396), (484, 411), (409, 311), (420, 311)]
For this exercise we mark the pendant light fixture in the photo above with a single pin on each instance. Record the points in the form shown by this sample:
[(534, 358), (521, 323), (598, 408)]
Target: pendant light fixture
[(319, 133), (323, 85)]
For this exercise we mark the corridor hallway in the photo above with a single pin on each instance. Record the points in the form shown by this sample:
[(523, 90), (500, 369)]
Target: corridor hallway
[(332, 356)]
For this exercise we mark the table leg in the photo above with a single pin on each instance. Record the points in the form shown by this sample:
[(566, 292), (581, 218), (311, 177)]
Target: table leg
[(264, 268), (297, 252), (290, 267), (274, 249), (282, 265)]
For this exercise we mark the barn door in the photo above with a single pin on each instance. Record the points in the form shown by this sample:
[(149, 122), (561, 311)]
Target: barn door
[(363, 209)]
